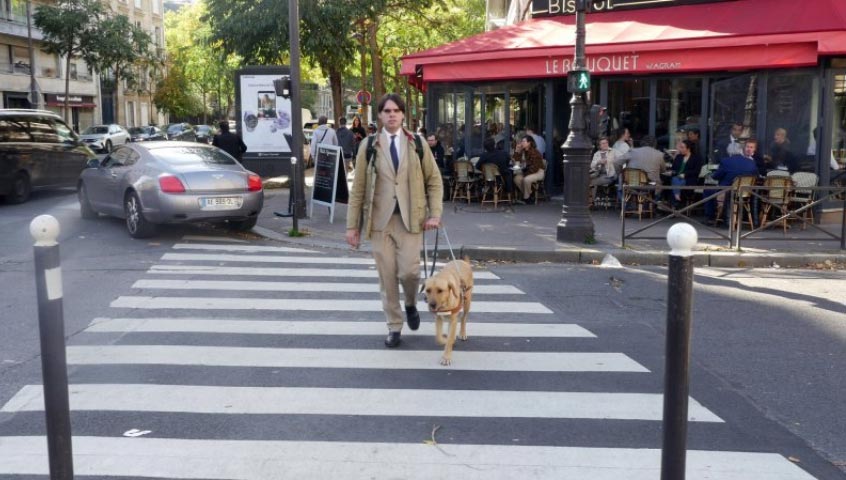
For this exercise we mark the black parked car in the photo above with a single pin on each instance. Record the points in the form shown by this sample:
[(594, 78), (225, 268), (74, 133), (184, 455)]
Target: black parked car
[(146, 134), (38, 151), (181, 131), (205, 133)]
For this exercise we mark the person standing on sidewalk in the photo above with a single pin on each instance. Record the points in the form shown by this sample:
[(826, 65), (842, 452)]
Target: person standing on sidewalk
[(229, 142), (322, 134), (346, 140), (394, 197)]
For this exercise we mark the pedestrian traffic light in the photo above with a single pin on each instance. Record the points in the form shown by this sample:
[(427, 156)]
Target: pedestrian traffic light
[(597, 122), (283, 87), (578, 81)]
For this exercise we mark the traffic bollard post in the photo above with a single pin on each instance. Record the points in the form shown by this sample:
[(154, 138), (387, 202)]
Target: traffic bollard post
[(48, 283), (682, 238)]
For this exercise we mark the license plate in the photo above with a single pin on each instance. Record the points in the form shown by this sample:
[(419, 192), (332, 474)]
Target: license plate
[(221, 203)]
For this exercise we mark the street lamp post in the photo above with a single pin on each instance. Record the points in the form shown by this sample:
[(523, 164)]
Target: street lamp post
[(576, 224), (297, 168)]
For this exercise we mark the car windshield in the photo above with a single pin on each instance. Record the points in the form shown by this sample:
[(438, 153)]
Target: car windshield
[(174, 128), (96, 130), (192, 156), (203, 128), (137, 130)]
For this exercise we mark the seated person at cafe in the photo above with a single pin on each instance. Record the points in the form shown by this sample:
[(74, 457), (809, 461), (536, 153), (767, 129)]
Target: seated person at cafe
[(622, 146), (686, 167), (440, 154), (647, 158), (694, 136), (603, 170), (730, 168), (731, 145), (529, 159), (780, 157), (500, 159)]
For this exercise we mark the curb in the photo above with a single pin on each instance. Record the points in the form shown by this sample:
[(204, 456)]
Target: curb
[(595, 256)]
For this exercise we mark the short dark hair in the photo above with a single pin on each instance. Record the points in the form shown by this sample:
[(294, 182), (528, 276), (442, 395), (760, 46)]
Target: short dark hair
[(224, 126), (752, 140), (687, 143), (531, 140), (647, 141), (321, 120), (393, 97), (342, 121)]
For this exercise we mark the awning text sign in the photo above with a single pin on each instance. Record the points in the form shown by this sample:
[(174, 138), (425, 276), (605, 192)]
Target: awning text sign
[(552, 8)]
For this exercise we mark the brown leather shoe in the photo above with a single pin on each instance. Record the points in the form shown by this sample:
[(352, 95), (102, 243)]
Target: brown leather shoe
[(393, 340)]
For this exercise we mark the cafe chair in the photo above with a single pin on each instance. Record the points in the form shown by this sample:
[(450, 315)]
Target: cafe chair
[(777, 196), (742, 208), (464, 180), (634, 177), (493, 189), (539, 191), (802, 195)]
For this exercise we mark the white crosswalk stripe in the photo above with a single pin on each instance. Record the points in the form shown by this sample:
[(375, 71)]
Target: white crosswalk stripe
[(264, 349), (245, 459), (301, 327)]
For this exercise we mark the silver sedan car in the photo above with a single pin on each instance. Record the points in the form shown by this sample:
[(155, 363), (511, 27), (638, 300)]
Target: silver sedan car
[(170, 182)]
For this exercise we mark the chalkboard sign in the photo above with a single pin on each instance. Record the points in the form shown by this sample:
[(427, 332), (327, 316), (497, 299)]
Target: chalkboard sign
[(330, 179)]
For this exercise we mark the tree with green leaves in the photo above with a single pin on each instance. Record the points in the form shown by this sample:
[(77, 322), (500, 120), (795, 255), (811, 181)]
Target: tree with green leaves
[(123, 47), (171, 95), (71, 29)]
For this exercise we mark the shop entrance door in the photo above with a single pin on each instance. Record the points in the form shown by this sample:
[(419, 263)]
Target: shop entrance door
[(732, 100)]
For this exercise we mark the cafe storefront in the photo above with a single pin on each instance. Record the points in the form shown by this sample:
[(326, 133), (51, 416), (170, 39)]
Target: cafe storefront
[(684, 65), (81, 106)]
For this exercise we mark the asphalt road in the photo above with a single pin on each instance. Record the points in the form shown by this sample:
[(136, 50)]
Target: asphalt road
[(768, 355)]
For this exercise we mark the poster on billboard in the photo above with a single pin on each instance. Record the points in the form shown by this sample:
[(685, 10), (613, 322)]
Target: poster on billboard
[(265, 116)]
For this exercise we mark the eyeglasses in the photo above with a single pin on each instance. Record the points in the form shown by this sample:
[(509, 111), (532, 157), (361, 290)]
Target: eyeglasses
[(391, 110)]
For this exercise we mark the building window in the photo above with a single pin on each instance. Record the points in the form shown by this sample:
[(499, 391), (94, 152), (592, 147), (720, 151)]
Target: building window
[(837, 156), (792, 110), (155, 5), (137, 3), (628, 106), (74, 75)]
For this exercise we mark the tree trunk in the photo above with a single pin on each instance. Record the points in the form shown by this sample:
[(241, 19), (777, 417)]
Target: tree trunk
[(378, 73), (205, 112), (68, 116), (336, 84), (117, 98)]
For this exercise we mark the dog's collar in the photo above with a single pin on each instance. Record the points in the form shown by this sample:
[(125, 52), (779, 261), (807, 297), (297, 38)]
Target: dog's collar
[(453, 311)]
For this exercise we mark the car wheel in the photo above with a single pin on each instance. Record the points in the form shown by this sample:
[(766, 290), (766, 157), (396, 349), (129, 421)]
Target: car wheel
[(108, 146), (85, 209), (136, 224), (21, 188), (243, 225)]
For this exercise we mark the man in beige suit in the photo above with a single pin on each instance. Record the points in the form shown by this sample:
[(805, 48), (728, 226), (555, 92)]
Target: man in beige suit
[(394, 197)]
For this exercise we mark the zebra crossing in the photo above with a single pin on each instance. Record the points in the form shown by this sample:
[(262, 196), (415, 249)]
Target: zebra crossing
[(222, 364)]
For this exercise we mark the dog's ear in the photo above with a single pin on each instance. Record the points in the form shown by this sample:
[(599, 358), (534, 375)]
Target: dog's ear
[(453, 288)]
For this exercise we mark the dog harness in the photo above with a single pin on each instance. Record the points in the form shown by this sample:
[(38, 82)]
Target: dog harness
[(455, 310)]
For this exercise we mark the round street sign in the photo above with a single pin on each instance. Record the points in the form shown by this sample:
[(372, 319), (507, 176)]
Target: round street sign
[(363, 97)]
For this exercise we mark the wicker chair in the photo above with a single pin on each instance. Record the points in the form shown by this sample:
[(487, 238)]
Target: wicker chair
[(492, 186), (777, 196), (464, 181), (802, 195), (744, 203), (633, 177)]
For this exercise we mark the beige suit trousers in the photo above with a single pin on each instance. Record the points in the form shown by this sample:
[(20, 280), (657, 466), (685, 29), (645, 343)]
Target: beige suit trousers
[(397, 255)]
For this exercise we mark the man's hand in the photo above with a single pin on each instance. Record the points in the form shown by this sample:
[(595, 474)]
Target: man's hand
[(353, 237), (431, 223)]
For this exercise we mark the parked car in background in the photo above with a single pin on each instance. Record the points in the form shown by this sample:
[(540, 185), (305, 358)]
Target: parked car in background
[(104, 138), (205, 133), (146, 134), (181, 131), (152, 183), (37, 151)]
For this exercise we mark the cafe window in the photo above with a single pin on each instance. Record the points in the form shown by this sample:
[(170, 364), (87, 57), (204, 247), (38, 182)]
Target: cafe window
[(450, 119), (733, 100), (678, 108), (628, 106), (837, 156), (792, 110)]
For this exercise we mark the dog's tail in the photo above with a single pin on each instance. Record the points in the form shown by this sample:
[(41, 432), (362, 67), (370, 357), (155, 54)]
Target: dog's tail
[(466, 258)]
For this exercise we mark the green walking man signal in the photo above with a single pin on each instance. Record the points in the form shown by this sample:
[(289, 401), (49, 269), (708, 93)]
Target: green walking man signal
[(578, 81)]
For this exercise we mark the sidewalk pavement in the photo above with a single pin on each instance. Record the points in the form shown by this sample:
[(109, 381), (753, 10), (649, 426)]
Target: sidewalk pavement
[(527, 233)]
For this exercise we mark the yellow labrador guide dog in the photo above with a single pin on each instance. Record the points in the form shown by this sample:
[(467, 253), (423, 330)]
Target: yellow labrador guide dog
[(448, 292)]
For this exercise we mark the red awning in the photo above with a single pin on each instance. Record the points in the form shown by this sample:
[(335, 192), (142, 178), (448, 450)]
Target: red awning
[(738, 35)]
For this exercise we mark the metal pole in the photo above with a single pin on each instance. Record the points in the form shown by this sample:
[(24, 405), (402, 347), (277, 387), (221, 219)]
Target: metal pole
[(682, 237), (298, 173), (48, 283), (293, 194), (843, 222), (576, 224)]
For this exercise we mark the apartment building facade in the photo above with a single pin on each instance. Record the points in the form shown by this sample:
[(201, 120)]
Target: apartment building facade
[(91, 97)]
